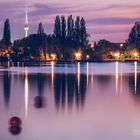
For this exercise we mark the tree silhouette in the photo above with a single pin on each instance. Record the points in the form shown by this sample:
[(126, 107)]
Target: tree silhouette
[(63, 24), (70, 27), (67, 38), (134, 36), (57, 27), (77, 29), (6, 33), (40, 29), (83, 32)]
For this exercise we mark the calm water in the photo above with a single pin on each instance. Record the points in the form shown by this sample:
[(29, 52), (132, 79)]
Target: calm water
[(90, 101)]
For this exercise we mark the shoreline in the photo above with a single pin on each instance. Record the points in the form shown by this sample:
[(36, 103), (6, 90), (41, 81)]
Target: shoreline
[(45, 63)]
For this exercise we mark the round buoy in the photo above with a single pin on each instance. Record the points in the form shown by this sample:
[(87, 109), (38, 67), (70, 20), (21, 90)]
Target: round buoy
[(39, 101), (15, 121), (15, 130)]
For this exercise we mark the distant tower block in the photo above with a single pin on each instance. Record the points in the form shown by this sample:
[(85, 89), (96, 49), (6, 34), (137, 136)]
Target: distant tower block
[(26, 27)]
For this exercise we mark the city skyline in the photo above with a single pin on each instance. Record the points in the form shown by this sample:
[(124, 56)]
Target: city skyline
[(104, 19)]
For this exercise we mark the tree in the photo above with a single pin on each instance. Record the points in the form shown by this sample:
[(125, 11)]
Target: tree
[(57, 27), (40, 29), (6, 33), (63, 27), (70, 27), (83, 32), (77, 29), (72, 30), (134, 36)]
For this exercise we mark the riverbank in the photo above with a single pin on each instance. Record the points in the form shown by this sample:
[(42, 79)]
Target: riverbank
[(50, 62)]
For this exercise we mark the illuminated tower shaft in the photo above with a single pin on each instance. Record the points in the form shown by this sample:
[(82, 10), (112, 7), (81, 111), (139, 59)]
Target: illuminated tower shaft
[(26, 27)]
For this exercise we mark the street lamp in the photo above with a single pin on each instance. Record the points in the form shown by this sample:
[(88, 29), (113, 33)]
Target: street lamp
[(136, 55), (121, 45), (53, 56), (117, 55), (87, 57), (78, 56)]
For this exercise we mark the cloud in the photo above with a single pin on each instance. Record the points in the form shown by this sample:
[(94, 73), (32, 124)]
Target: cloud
[(112, 20), (102, 14)]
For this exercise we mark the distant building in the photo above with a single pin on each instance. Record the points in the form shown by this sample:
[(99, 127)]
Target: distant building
[(26, 27)]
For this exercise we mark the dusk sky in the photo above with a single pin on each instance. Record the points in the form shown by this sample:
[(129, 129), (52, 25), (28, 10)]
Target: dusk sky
[(105, 19)]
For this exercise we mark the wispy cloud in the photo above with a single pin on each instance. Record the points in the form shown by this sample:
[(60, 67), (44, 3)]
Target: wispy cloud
[(103, 15), (113, 20)]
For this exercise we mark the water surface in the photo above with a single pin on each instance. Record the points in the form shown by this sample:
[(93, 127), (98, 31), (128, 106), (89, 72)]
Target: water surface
[(82, 101)]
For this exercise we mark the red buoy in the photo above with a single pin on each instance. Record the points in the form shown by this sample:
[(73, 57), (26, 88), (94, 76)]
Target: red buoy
[(15, 121)]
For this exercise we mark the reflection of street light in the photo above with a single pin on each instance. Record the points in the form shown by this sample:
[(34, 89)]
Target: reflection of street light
[(78, 56)]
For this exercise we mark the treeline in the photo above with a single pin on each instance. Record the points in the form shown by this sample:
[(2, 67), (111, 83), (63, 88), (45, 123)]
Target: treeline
[(69, 41), (69, 36), (73, 30), (128, 50)]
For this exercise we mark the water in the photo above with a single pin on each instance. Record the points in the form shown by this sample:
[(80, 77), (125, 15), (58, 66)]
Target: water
[(89, 101)]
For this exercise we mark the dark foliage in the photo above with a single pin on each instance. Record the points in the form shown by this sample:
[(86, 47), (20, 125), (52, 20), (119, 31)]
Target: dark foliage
[(6, 33), (69, 36), (134, 36)]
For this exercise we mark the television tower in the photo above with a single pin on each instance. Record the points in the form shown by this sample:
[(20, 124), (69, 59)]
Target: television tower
[(26, 26)]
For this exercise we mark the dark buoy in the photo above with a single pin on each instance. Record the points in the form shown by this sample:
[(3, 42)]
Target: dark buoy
[(15, 121), (39, 102), (15, 125), (15, 130)]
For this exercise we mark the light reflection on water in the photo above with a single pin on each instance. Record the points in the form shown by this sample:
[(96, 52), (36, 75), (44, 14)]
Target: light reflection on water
[(84, 103), (78, 76), (117, 76), (52, 66), (136, 77), (26, 93)]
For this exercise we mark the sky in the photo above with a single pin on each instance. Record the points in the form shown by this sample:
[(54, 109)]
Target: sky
[(105, 19)]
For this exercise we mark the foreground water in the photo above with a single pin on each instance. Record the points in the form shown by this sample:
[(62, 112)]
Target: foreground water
[(89, 101)]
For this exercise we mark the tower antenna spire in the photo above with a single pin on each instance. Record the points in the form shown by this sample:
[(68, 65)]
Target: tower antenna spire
[(26, 15), (26, 26)]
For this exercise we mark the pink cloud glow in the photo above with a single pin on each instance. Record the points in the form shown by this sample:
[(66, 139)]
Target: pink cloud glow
[(104, 17)]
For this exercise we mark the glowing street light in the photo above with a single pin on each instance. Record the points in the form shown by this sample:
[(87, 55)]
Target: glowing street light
[(121, 45), (78, 56), (136, 54), (53, 56), (117, 55), (87, 57), (91, 46)]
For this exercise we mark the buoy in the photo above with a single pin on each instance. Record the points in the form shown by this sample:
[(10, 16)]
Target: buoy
[(39, 101), (15, 130), (15, 121)]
